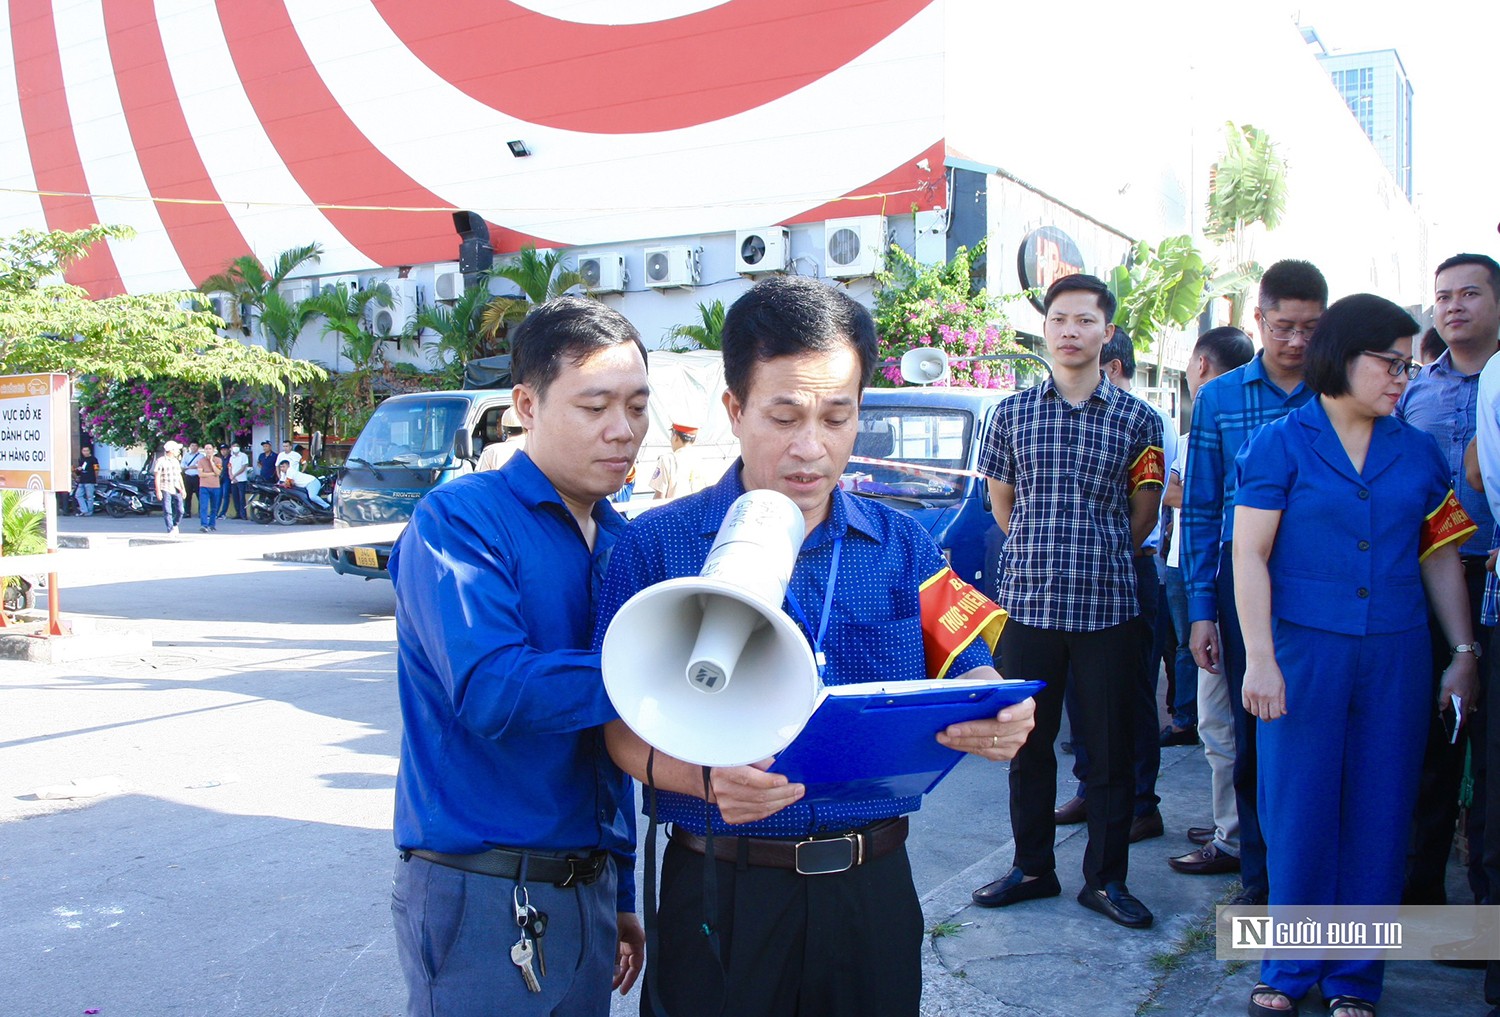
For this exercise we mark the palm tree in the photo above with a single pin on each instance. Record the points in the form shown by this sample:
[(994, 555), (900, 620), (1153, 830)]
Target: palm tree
[(343, 314), (460, 335), (279, 322), (705, 336), (540, 276)]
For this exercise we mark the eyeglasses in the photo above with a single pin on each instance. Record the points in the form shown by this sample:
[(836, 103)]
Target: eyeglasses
[(1395, 366), (1285, 334)]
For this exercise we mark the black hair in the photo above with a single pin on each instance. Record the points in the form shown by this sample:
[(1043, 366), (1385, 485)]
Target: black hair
[(1082, 283), (1226, 347), (574, 328), (1119, 348), (1484, 261), (1362, 323), (1292, 280), (788, 316), (1432, 345)]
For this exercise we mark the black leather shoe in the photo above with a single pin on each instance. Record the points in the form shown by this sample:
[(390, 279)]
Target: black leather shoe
[(1116, 903), (1247, 899), (1013, 887), (1147, 826), (1071, 812), (1171, 736), (1201, 834), (1206, 861)]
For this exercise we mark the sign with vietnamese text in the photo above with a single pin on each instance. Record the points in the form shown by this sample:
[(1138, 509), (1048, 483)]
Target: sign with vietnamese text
[(34, 432)]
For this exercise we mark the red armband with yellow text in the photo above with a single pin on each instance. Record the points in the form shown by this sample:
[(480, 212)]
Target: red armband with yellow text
[(1444, 525), (1150, 467), (953, 614)]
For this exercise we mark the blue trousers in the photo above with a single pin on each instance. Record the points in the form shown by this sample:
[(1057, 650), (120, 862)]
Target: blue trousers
[(171, 510), (1246, 796), (208, 505), (1185, 669), (1338, 781), (454, 931)]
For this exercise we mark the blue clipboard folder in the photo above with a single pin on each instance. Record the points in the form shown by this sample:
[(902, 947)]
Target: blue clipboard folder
[(877, 739)]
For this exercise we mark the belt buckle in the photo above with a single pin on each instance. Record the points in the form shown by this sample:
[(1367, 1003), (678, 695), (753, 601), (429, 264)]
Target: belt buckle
[(580, 871), (829, 855)]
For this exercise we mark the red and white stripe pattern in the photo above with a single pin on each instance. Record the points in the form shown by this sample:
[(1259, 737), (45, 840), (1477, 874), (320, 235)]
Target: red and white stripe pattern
[(264, 117)]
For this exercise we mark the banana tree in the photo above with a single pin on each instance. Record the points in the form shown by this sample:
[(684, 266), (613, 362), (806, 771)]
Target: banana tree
[(540, 275), (1161, 288), (1246, 186)]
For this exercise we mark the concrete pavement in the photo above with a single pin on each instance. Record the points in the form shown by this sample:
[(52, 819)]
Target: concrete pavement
[(244, 865)]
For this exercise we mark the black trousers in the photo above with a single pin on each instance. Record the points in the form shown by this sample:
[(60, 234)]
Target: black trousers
[(1436, 816), (1103, 666), (842, 945)]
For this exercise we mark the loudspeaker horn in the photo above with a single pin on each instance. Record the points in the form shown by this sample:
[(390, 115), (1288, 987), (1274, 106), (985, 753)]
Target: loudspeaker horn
[(708, 668), (924, 365)]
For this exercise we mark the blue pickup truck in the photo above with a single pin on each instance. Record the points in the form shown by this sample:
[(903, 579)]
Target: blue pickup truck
[(918, 452)]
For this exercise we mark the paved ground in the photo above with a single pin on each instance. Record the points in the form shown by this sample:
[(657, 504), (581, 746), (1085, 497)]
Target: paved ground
[(242, 864)]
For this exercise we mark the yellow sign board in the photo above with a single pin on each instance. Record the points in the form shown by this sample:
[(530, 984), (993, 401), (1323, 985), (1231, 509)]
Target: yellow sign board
[(34, 432)]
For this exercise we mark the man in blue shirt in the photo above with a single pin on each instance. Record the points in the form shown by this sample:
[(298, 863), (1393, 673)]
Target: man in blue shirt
[(1443, 401), (505, 794), (1228, 410), (845, 941)]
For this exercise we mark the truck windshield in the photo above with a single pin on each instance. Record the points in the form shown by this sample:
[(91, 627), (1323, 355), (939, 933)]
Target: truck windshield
[(911, 452), (415, 433)]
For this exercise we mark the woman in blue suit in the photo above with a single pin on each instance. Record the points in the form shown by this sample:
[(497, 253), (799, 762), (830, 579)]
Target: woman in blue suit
[(1344, 517)]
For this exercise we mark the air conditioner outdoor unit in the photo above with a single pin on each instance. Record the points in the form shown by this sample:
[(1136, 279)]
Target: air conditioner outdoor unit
[(225, 305), (854, 247), (603, 272), (329, 284), (294, 291), (762, 250), (448, 285), (389, 321), (667, 267)]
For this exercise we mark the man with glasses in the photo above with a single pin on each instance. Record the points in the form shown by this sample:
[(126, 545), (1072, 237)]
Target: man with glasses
[(1444, 401), (1228, 410)]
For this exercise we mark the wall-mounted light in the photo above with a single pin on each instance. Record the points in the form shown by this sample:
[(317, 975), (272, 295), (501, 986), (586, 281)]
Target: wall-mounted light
[(518, 149)]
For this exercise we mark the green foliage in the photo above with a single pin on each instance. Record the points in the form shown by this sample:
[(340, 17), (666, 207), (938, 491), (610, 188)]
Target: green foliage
[(460, 335), (539, 275), (149, 412), (344, 314), (46, 325), (1247, 185), (707, 335), (1164, 287), (920, 305), (252, 283), (22, 529)]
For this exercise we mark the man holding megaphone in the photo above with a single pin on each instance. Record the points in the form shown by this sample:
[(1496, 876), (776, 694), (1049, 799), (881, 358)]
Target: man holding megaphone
[(512, 823), (836, 929)]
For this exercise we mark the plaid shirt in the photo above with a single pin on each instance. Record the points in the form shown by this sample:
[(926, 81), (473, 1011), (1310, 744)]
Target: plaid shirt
[(1444, 402), (1227, 411), (1067, 562), (168, 472)]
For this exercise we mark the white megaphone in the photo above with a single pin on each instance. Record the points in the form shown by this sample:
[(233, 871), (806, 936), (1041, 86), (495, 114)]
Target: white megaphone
[(708, 668), (924, 365)]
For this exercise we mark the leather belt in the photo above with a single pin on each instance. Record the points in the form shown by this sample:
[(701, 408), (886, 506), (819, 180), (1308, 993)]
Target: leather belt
[(559, 870), (813, 856)]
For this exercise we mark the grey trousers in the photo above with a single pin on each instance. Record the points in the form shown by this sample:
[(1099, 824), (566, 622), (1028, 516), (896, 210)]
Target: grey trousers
[(454, 932)]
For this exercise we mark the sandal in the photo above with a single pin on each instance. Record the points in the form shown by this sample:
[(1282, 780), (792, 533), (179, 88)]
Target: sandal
[(1261, 1010), (1338, 1003)]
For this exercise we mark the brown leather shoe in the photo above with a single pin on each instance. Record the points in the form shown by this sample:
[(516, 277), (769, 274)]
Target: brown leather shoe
[(1201, 834), (1206, 861), (1071, 812), (1147, 826)]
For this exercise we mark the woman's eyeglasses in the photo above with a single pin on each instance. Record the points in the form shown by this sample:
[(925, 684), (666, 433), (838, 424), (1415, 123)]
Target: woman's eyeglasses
[(1395, 366)]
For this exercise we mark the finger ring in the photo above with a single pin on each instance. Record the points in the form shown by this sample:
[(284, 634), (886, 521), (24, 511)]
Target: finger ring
[(994, 741)]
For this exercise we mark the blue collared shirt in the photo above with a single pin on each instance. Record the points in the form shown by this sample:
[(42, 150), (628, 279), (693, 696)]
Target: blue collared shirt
[(1227, 411), (502, 700), (1349, 541), (1444, 402), (874, 633), (1068, 562)]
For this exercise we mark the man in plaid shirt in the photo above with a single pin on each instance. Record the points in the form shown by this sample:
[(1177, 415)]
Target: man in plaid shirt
[(1076, 471)]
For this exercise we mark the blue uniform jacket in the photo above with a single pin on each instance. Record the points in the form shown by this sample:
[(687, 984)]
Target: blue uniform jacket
[(1348, 549), (501, 695)]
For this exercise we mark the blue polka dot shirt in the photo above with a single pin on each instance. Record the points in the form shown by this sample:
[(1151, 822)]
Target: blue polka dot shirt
[(874, 633)]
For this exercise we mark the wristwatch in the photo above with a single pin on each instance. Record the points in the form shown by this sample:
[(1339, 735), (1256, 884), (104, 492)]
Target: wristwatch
[(1468, 648)]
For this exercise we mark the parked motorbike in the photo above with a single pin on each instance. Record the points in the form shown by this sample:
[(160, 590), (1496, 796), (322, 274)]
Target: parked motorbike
[(292, 505), (121, 498), (260, 497)]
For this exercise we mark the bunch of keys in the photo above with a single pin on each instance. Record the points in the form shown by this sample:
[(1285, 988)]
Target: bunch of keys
[(527, 954)]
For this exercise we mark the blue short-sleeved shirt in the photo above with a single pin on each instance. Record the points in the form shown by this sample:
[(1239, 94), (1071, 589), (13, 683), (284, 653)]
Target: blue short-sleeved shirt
[(874, 634), (1067, 563), (502, 701), (1347, 551)]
